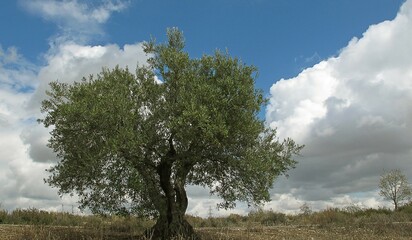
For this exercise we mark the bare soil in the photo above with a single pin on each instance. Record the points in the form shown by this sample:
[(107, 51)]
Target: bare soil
[(300, 232), (9, 232)]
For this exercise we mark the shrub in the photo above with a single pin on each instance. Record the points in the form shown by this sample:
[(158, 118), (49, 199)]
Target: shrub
[(330, 216), (353, 210), (30, 216), (374, 211), (407, 208), (195, 221), (236, 219), (3, 216), (267, 218)]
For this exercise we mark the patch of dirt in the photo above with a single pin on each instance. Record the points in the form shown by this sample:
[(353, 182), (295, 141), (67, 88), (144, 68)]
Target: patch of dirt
[(297, 232), (10, 232)]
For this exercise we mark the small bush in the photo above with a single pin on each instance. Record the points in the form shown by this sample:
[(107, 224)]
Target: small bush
[(267, 218), (407, 208), (236, 219), (330, 216), (3, 216), (372, 211), (30, 216), (195, 221)]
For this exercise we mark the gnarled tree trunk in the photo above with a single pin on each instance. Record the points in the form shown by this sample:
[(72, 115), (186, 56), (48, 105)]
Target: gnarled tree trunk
[(171, 223), (172, 228)]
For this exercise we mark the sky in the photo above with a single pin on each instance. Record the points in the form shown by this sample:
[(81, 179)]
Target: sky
[(338, 76)]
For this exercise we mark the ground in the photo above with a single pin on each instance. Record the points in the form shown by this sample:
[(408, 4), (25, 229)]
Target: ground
[(388, 231)]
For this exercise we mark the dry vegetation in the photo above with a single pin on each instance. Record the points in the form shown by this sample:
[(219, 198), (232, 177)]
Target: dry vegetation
[(347, 223)]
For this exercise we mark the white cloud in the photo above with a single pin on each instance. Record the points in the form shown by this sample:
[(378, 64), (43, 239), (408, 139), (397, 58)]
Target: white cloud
[(16, 74), (353, 112), (290, 204), (77, 20), (207, 207), (68, 12), (23, 152), (20, 177), (24, 155), (71, 62), (294, 113)]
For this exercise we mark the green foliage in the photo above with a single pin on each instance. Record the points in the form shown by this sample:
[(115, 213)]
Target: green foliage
[(372, 211), (406, 208), (127, 143), (3, 216), (31, 216), (34, 216)]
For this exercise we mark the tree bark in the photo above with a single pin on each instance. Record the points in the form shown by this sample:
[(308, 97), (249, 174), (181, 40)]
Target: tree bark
[(171, 223), (175, 228)]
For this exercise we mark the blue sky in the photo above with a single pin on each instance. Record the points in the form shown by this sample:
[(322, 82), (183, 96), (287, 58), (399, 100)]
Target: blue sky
[(279, 37), (333, 71)]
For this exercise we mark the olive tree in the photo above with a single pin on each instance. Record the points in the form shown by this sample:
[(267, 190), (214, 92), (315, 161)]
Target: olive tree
[(394, 187), (131, 142)]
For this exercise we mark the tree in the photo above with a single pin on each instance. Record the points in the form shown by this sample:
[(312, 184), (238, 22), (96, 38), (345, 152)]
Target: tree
[(129, 144), (305, 209), (394, 186)]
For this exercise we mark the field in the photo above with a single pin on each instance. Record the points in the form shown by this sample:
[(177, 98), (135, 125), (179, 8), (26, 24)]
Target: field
[(13, 232), (348, 223)]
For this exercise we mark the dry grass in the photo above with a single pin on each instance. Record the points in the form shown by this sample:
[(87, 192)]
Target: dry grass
[(348, 223), (307, 232), (394, 231)]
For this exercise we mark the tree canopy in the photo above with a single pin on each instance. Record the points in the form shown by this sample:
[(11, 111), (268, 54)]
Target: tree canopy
[(131, 142)]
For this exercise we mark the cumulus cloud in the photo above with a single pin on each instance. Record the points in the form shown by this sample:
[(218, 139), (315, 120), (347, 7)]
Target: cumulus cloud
[(289, 203), (16, 74), (71, 62), (17, 83), (353, 112), (24, 155), (76, 20)]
